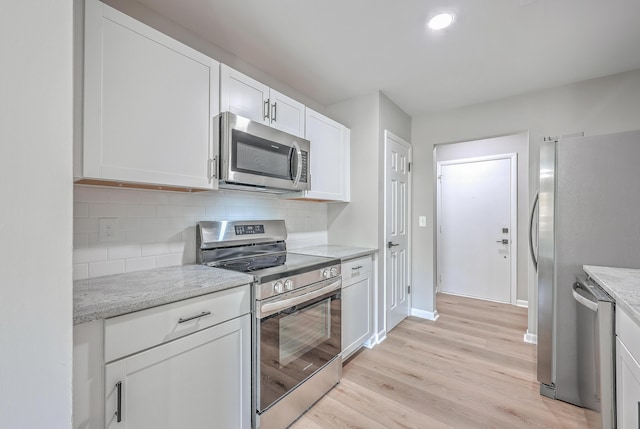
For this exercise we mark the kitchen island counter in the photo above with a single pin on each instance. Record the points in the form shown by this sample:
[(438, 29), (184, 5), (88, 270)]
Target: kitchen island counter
[(623, 284), (114, 295), (344, 253)]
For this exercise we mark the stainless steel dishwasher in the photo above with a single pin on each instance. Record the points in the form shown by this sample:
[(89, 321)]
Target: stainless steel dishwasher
[(596, 353)]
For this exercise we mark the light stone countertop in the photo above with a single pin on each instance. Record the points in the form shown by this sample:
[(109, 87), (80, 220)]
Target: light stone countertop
[(345, 253), (623, 284), (114, 295)]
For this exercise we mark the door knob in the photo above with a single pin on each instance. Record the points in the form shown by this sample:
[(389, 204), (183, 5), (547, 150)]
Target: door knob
[(392, 244), (503, 241)]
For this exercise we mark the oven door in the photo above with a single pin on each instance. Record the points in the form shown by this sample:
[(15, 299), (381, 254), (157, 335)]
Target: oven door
[(296, 341)]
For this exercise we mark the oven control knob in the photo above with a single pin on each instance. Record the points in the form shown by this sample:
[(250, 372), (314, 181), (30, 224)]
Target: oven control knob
[(288, 285), (277, 287), (334, 271), (326, 273)]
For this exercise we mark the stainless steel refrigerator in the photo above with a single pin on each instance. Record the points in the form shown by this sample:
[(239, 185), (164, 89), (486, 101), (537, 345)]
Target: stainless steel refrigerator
[(588, 213)]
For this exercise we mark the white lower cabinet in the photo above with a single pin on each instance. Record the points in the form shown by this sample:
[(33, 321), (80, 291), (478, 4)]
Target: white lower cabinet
[(357, 304), (627, 388), (198, 381), (627, 371), (181, 365)]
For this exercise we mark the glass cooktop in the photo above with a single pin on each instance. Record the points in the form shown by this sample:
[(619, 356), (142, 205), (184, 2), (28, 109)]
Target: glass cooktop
[(266, 268)]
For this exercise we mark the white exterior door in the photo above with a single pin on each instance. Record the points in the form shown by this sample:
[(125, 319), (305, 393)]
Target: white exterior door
[(396, 203), (476, 227)]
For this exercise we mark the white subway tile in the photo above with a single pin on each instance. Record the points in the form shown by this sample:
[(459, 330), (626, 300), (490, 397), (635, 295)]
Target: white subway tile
[(140, 210), (189, 255), (193, 211), (216, 211), (156, 197), (169, 260), (80, 210), (154, 249), (97, 269), (189, 234), (139, 264), (140, 236), (85, 225), (129, 196), (80, 240), (89, 194), (179, 246), (163, 236), (129, 224), (107, 210), (124, 251), (80, 271), (89, 254), (181, 199), (169, 211), (156, 223)]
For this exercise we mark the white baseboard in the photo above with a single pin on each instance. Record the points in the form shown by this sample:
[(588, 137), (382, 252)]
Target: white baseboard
[(530, 338), (429, 315), (522, 303), (381, 336)]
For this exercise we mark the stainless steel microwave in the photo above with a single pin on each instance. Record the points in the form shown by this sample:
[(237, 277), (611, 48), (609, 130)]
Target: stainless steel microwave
[(254, 156)]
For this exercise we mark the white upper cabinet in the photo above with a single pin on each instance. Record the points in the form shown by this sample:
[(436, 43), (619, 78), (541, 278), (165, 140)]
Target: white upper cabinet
[(330, 158), (149, 101), (251, 99)]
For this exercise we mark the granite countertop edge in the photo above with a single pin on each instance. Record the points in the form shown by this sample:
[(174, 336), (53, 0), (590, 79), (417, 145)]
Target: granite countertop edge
[(114, 295), (623, 284), (344, 253)]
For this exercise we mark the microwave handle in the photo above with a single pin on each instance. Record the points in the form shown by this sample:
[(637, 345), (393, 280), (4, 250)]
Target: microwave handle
[(298, 153)]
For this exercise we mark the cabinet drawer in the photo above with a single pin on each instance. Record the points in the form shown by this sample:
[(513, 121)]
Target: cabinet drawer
[(629, 332), (131, 333), (356, 267)]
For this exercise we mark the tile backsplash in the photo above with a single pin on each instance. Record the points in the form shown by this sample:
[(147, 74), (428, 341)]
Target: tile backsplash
[(157, 229)]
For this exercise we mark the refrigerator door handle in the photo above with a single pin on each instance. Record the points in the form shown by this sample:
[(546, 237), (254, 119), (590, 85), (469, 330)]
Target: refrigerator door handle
[(534, 256), (586, 302)]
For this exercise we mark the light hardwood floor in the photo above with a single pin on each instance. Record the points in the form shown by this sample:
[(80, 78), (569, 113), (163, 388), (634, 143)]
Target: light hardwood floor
[(469, 369)]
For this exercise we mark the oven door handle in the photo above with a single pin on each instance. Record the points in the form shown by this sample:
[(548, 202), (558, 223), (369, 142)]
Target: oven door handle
[(270, 308)]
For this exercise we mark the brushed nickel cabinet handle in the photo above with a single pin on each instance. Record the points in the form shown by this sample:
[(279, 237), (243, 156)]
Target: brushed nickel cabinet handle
[(197, 316)]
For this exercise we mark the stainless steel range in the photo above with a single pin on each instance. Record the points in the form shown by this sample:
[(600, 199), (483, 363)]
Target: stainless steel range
[(296, 330)]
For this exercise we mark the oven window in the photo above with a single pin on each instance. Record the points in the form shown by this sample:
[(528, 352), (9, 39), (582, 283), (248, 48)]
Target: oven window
[(304, 331), (295, 343)]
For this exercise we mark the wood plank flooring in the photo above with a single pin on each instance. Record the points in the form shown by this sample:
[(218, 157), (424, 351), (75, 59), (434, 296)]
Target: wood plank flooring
[(469, 369)]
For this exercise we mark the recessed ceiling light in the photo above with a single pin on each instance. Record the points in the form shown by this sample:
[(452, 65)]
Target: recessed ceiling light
[(440, 21)]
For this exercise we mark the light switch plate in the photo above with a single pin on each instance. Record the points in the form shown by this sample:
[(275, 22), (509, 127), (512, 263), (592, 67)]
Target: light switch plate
[(422, 221)]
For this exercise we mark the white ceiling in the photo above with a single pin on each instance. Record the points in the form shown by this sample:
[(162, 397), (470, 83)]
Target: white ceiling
[(332, 50)]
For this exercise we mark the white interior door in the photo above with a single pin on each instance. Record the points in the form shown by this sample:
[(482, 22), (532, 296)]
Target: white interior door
[(396, 201), (476, 227)]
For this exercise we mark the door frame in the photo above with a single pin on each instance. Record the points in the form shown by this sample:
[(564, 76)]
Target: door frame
[(513, 249), (389, 135)]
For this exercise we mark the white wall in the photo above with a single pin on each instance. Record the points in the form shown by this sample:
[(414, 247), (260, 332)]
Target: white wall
[(361, 222), (157, 229), (35, 220), (597, 106), (519, 144)]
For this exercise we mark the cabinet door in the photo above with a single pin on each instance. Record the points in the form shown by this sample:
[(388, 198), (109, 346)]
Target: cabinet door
[(356, 313), (627, 388), (199, 381), (149, 104), (287, 114), (329, 157), (243, 95)]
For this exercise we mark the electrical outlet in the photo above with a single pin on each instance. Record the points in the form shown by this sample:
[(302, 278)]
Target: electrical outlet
[(108, 229), (422, 221)]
